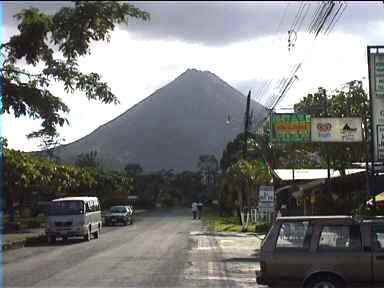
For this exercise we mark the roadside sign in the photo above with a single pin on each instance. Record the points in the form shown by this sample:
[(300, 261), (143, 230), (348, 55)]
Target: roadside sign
[(376, 78), (266, 198), (290, 128), (337, 129)]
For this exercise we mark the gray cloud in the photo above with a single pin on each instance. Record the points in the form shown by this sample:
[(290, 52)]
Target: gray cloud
[(222, 23)]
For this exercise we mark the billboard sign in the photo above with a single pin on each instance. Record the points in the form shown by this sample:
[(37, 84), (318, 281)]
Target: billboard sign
[(336, 130), (290, 128), (376, 75)]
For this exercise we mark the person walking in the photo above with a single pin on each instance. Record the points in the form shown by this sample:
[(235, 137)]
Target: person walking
[(200, 208), (194, 210)]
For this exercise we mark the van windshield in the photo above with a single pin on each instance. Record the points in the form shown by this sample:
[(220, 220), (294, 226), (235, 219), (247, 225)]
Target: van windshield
[(72, 207)]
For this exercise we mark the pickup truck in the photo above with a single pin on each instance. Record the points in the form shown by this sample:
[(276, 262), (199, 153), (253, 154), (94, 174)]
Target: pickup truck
[(323, 251)]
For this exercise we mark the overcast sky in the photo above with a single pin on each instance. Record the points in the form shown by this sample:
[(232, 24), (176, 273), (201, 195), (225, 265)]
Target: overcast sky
[(244, 43)]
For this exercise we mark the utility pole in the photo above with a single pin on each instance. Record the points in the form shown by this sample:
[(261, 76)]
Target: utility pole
[(246, 125), (245, 148)]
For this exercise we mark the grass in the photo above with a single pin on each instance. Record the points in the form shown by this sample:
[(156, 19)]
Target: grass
[(219, 223)]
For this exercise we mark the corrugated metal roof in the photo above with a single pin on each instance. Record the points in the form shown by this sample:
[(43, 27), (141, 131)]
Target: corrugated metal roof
[(311, 174)]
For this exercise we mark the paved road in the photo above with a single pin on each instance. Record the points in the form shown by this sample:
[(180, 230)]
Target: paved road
[(154, 252)]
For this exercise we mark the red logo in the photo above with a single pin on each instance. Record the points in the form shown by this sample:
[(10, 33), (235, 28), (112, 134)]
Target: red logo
[(324, 127)]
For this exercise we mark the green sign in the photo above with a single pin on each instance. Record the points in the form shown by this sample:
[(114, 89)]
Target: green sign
[(290, 128)]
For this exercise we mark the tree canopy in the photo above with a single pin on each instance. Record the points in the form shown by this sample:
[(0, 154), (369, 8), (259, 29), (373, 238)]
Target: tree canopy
[(52, 44), (352, 101)]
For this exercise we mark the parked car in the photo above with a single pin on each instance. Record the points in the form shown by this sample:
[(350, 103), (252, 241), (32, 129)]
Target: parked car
[(74, 216), (316, 252), (119, 214)]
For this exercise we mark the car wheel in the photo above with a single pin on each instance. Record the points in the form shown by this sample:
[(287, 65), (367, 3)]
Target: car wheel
[(65, 239), (87, 237), (325, 281)]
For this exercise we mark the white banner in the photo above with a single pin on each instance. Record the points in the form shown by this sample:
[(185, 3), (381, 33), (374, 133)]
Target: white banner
[(336, 130), (377, 85)]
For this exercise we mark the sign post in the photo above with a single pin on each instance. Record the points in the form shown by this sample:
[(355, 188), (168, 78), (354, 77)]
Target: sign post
[(375, 56), (266, 201)]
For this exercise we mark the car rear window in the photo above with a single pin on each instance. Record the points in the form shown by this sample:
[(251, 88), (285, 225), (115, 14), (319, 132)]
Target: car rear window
[(294, 235), (340, 237)]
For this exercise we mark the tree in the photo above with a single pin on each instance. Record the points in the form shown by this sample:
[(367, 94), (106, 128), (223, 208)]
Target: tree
[(257, 148), (49, 143), (133, 169), (352, 101), (88, 160), (208, 167), (55, 43), (247, 175)]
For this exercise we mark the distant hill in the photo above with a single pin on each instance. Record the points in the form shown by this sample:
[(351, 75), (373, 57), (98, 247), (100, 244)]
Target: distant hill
[(171, 128)]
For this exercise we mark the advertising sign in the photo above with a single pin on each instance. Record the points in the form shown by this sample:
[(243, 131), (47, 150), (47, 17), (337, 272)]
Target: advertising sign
[(290, 128), (376, 73), (336, 130), (266, 197)]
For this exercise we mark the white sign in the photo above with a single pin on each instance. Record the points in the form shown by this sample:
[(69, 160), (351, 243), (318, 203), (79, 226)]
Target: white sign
[(266, 198), (266, 194), (336, 130), (377, 93)]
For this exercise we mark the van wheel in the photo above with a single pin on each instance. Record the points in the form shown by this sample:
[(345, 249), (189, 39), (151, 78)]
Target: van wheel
[(325, 281), (87, 237)]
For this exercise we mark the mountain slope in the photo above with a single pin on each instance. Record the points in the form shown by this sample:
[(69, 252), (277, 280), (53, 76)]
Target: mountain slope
[(170, 128)]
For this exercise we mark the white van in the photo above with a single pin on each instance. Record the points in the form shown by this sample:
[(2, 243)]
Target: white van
[(73, 217)]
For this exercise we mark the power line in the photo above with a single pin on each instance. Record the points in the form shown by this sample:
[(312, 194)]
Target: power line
[(279, 26), (334, 17), (338, 19)]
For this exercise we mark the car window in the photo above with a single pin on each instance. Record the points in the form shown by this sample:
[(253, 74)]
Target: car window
[(118, 209), (294, 235), (378, 236), (340, 237)]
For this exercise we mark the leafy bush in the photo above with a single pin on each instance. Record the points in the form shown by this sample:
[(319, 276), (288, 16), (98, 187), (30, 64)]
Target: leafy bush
[(24, 174)]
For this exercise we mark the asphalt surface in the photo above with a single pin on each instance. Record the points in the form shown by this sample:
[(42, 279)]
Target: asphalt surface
[(156, 251)]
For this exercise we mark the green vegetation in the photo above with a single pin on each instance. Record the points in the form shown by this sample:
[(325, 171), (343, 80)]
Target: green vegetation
[(26, 222), (71, 31), (28, 177), (230, 224), (224, 224), (351, 101)]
